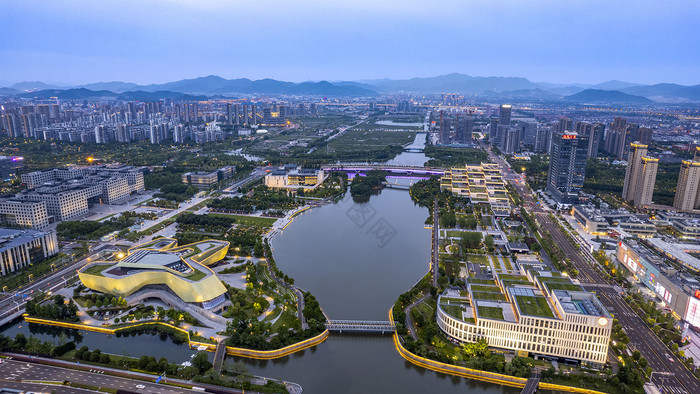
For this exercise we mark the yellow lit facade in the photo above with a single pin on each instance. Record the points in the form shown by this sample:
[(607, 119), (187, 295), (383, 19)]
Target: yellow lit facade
[(183, 269)]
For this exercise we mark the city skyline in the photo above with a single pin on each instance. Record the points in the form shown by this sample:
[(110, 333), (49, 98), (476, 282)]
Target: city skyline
[(589, 42)]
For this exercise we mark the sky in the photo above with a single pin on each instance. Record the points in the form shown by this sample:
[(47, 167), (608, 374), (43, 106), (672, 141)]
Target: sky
[(156, 41)]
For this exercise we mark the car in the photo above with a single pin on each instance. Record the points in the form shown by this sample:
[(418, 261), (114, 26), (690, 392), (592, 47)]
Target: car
[(140, 386)]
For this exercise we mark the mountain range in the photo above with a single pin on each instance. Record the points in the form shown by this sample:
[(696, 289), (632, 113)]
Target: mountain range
[(613, 91)]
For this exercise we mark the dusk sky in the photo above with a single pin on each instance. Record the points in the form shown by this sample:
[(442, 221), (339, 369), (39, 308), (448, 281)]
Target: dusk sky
[(144, 41)]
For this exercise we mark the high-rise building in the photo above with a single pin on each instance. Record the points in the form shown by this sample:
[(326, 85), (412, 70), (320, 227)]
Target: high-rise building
[(122, 134), (253, 115), (154, 134), (688, 189), (643, 135), (493, 129), (542, 139), (246, 121), (463, 129), (229, 114), (444, 129), (567, 166), (565, 124), (236, 114), (504, 114), (640, 175), (513, 137), (179, 134), (594, 132), (100, 135)]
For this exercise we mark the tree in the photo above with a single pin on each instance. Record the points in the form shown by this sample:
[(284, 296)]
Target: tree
[(201, 362), (471, 240), (488, 241)]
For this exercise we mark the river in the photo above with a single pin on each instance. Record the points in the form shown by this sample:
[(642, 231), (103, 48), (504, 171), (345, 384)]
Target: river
[(356, 259)]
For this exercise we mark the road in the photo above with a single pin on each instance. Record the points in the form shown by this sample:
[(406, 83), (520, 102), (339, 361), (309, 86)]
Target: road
[(674, 376), (435, 255), (10, 303), (20, 370)]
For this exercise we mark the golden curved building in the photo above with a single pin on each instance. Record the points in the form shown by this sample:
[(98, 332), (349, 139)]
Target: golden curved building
[(183, 269)]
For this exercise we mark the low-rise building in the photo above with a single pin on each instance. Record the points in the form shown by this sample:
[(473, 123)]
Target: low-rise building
[(205, 180), (651, 262), (24, 213), (590, 219), (68, 192), (600, 221), (291, 176), (539, 313), (21, 247), (479, 183), (161, 263)]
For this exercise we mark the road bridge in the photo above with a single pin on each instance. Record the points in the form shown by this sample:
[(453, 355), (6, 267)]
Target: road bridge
[(395, 169), (360, 326)]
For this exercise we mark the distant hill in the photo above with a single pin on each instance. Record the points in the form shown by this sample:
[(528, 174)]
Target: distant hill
[(8, 91), (114, 86), (213, 84), (140, 95), (33, 85), (455, 82), (70, 94), (492, 87), (614, 84), (667, 91), (606, 96)]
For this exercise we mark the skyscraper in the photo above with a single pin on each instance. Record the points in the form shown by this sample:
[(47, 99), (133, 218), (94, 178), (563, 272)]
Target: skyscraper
[(229, 114), (236, 115), (463, 129), (512, 140), (688, 189), (504, 114), (100, 135), (444, 129), (640, 175), (122, 134), (565, 124), (567, 166), (253, 115)]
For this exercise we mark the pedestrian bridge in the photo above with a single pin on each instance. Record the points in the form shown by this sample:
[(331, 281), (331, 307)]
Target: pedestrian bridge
[(360, 326)]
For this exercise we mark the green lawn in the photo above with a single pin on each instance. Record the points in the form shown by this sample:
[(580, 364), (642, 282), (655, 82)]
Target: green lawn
[(454, 234), (97, 269), (485, 288), (452, 310), (491, 312), (485, 295), (478, 259), (563, 286), (196, 276), (534, 306), (249, 220), (508, 264)]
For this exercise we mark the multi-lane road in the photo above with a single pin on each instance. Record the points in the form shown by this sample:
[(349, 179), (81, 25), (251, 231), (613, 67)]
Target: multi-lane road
[(13, 302), (670, 374)]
